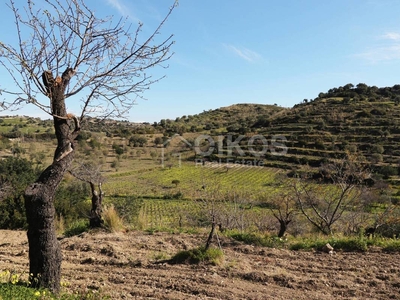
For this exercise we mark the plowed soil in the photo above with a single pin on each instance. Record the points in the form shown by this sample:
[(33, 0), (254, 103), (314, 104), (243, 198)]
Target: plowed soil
[(130, 266)]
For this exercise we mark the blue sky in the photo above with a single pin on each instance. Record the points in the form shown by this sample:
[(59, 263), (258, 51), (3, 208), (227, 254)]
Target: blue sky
[(260, 51)]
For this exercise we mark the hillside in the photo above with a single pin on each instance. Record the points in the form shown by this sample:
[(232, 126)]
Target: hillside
[(346, 119), (357, 119), (235, 118)]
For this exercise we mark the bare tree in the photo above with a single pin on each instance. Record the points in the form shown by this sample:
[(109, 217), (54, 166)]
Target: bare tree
[(63, 50), (91, 174), (322, 204), (283, 208)]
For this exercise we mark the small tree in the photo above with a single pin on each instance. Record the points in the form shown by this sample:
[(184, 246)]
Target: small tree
[(283, 208), (62, 49), (322, 204)]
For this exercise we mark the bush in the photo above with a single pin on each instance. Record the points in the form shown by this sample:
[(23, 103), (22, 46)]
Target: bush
[(175, 182), (176, 196), (15, 175)]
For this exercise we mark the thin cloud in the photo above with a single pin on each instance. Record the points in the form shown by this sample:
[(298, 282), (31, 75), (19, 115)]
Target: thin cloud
[(244, 53), (381, 54), (122, 9), (395, 36), (389, 50)]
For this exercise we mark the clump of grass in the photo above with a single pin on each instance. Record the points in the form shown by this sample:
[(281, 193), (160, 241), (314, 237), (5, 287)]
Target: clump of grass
[(350, 244), (77, 227), (391, 246), (307, 244), (112, 220), (199, 255), (60, 224), (257, 239), (12, 286), (342, 243)]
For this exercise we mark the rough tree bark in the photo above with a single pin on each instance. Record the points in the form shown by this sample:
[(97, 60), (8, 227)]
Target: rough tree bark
[(95, 219), (283, 225), (44, 249)]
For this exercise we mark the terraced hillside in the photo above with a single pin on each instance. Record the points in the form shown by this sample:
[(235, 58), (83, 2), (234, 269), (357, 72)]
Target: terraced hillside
[(353, 120)]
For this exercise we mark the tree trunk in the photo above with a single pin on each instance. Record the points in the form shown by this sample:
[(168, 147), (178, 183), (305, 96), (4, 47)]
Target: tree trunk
[(283, 227), (211, 235), (95, 219), (44, 249)]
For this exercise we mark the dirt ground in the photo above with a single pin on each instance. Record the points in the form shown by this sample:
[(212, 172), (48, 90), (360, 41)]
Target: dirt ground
[(127, 266)]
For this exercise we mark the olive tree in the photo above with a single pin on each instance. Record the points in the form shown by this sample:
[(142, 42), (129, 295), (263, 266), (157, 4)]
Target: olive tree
[(61, 50)]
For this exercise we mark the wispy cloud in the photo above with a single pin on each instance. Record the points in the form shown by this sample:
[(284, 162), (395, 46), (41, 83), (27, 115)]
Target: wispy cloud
[(122, 9), (381, 54), (395, 36), (244, 53), (387, 50)]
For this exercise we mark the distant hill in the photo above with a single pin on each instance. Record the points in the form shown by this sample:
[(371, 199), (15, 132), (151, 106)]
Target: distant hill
[(235, 118), (357, 119), (351, 118)]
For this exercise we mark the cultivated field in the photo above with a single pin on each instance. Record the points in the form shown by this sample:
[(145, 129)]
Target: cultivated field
[(132, 265)]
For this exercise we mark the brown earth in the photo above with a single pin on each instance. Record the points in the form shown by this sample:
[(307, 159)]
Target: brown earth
[(127, 266)]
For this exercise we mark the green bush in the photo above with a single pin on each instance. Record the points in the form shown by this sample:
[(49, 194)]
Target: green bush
[(15, 175)]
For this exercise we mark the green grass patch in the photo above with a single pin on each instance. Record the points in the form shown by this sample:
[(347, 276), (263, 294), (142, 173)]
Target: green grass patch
[(342, 244), (10, 291), (199, 255), (391, 245), (256, 239), (77, 227), (13, 287)]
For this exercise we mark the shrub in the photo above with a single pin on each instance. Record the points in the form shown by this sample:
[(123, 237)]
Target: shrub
[(175, 182), (15, 175), (176, 196)]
